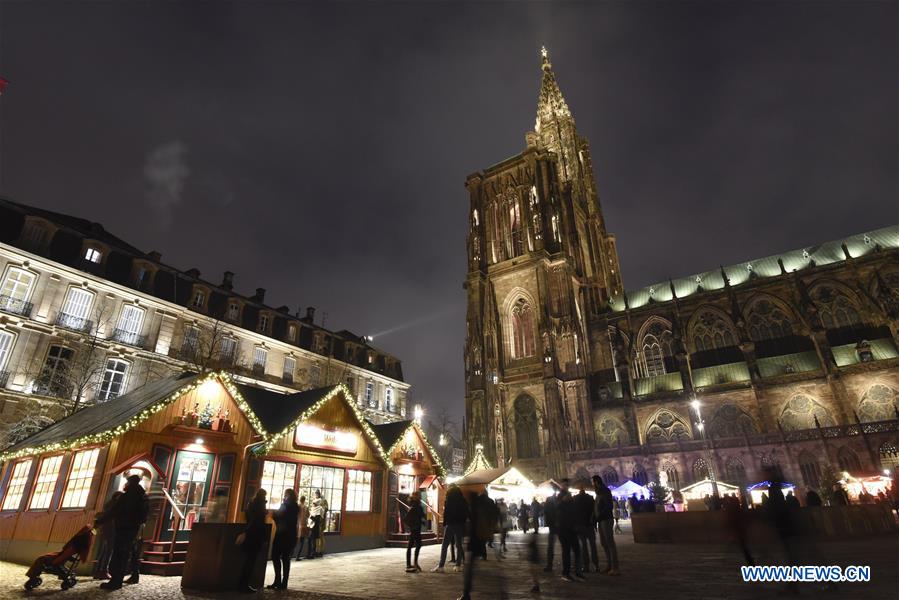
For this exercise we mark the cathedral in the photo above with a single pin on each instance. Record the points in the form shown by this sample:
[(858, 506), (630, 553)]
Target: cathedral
[(787, 360)]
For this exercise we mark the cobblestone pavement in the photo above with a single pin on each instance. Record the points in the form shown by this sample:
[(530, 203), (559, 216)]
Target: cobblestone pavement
[(648, 571)]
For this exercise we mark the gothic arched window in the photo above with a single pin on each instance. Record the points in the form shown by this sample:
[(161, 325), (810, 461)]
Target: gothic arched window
[(700, 469), (609, 476), (848, 460), (878, 404), (800, 412), (655, 346), (768, 322), (522, 318), (811, 470), (835, 308), (639, 476), (712, 332), (668, 476), (736, 471), (731, 421), (889, 456), (527, 442), (667, 427)]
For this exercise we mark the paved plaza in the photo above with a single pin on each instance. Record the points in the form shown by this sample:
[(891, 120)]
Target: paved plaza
[(648, 571)]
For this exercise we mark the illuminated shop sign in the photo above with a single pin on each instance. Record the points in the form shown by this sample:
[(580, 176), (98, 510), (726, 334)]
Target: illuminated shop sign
[(309, 436)]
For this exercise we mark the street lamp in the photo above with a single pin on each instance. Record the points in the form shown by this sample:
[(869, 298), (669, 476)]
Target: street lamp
[(700, 424), (442, 441), (418, 413)]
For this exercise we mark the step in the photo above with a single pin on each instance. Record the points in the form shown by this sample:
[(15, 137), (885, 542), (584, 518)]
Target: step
[(180, 546), (167, 569), (163, 555)]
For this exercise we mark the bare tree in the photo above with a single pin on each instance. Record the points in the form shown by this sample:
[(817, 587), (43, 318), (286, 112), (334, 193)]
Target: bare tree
[(443, 433), (210, 348)]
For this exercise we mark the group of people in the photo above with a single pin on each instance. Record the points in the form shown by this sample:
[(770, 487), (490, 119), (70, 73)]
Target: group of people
[(296, 525), (120, 539)]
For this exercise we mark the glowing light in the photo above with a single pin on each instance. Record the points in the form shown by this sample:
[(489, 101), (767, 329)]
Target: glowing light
[(695, 405), (700, 426), (198, 441), (442, 440), (369, 338), (418, 414), (208, 389)]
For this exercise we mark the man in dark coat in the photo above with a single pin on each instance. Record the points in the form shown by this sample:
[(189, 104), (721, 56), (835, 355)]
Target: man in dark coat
[(605, 518), (550, 515), (455, 513), (567, 524), (128, 514), (586, 530)]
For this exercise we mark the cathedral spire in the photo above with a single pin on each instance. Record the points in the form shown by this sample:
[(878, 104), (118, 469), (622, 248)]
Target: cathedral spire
[(550, 104)]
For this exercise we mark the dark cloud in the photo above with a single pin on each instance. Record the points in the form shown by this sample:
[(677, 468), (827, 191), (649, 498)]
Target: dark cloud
[(322, 148)]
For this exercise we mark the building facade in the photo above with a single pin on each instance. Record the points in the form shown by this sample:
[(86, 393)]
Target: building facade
[(789, 360), (86, 317)]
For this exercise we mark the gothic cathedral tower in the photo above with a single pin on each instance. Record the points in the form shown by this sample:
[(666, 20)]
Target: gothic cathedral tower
[(540, 264)]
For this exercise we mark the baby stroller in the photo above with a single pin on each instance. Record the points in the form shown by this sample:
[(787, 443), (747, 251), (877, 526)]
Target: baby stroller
[(62, 563)]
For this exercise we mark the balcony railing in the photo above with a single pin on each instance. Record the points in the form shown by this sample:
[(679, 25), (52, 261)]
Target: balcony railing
[(73, 322), (258, 370), (15, 306), (129, 337), (287, 377), (4, 377)]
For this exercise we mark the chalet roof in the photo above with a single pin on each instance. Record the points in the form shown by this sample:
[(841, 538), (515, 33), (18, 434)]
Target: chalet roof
[(827, 253), (390, 433), (276, 411), (99, 419)]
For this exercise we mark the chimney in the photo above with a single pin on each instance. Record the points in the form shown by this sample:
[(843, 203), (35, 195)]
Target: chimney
[(154, 256), (228, 280), (310, 314), (260, 295), (195, 273), (283, 309)]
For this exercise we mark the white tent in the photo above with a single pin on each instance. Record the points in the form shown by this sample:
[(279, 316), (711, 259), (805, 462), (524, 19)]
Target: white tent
[(628, 489), (703, 488)]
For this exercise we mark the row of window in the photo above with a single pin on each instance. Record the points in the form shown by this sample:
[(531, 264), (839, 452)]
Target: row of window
[(77, 486), (334, 484)]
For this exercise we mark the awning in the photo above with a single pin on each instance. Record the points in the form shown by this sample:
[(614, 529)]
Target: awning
[(427, 482)]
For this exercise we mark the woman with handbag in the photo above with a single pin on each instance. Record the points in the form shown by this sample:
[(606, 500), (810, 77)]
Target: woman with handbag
[(252, 539), (285, 538)]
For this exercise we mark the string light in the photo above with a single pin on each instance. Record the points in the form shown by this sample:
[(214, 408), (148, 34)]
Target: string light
[(478, 462), (441, 470)]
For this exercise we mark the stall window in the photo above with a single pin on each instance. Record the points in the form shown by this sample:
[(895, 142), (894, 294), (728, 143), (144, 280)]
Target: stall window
[(45, 484), (16, 488), (328, 481), (358, 491), (80, 477), (277, 477)]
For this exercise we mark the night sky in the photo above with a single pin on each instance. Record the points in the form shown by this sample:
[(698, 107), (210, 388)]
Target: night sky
[(319, 151)]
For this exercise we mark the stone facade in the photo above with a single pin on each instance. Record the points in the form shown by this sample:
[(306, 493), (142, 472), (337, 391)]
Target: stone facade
[(85, 317), (792, 358)]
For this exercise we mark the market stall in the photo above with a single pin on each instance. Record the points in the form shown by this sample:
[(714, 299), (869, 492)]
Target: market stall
[(628, 489), (759, 491), (866, 487), (507, 483)]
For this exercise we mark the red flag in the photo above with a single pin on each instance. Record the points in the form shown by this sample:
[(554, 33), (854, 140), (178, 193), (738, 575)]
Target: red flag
[(3, 84)]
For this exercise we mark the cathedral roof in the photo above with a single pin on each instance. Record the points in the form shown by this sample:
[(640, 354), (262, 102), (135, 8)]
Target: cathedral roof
[(795, 260), (550, 103)]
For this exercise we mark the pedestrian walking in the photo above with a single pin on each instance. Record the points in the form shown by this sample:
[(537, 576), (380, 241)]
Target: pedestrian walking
[(567, 525), (455, 513), (105, 537), (616, 514), (586, 529), (302, 525), (252, 539), (413, 520), (524, 517), (504, 522), (285, 539), (604, 517), (482, 527), (127, 515), (317, 513), (550, 515), (217, 508), (536, 515)]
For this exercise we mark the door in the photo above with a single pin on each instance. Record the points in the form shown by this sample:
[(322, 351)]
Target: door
[(190, 490)]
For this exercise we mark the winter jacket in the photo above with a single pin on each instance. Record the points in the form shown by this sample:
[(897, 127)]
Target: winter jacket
[(455, 508), (130, 510), (604, 503), (585, 508)]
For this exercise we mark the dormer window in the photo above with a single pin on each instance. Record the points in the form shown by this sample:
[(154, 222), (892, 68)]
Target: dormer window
[(93, 255), (35, 235), (199, 298), (291, 333), (264, 321), (233, 311), (142, 275)]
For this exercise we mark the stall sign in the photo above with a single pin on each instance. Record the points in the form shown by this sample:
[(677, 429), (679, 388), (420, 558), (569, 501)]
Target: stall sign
[(336, 441)]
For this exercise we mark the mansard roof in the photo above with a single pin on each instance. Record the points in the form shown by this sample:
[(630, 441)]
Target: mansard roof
[(827, 253)]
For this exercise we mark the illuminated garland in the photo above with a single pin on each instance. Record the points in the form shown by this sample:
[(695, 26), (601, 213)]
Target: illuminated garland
[(478, 461), (105, 436), (307, 414), (441, 470)]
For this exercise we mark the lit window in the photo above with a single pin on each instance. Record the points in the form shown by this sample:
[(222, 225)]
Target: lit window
[(263, 323), (233, 311), (292, 333), (358, 491), (191, 342), (290, 365), (389, 399), (315, 374), (16, 487), (54, 379), (6, 340), (80, 477), (229, 348), (369, 393), (199, 300), (130, 323), (328, 481), (76, 308), (93, 255), (113, 379), (45, 484), (16, 290), (277, 477), (142, 277), (260, 355)]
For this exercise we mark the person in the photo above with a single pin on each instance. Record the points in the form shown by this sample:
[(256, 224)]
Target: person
[(317, 514), (550, 515), (302, 526), (127, 514), (253, 538), (604, 517), (840, 497), (513, 514), (586, 529), (217, 507), (482, 526), (812, 498), (413, 519), (504, 523), (455, 513), (105, 535), (536, 515), (524, 517), (736, 518), (616, 514), (285, 539), (567, 525), (792, 501)]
